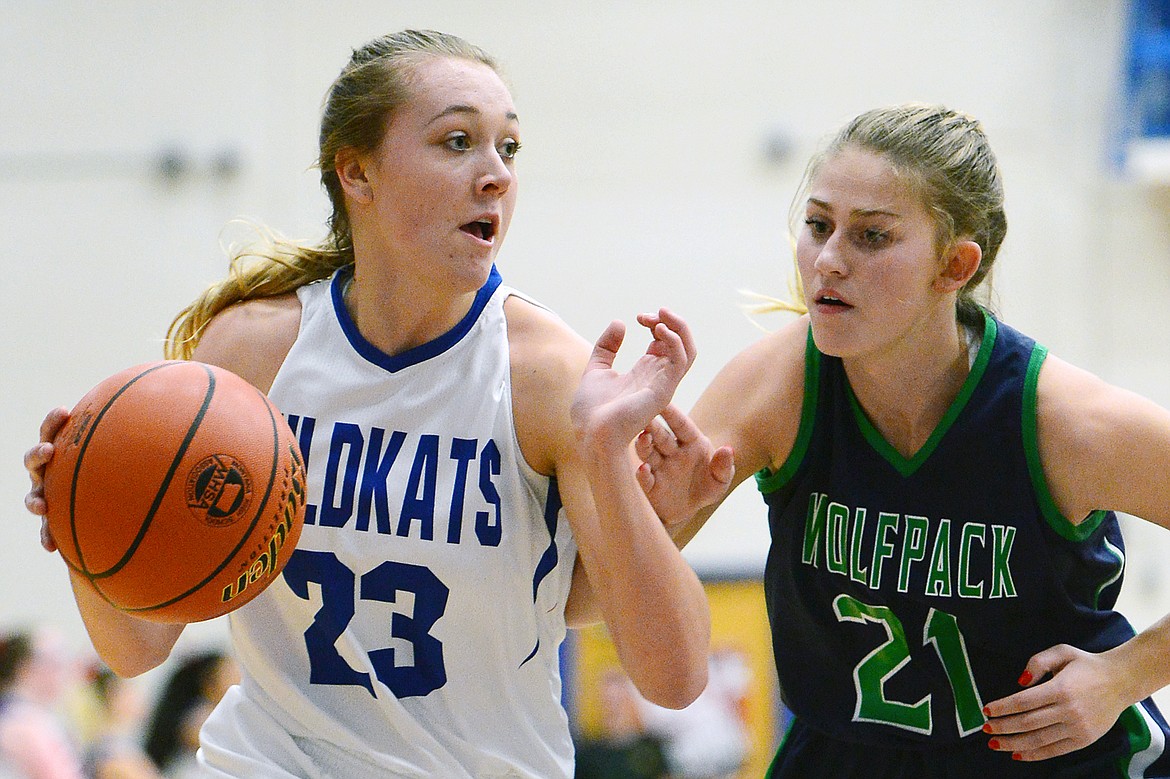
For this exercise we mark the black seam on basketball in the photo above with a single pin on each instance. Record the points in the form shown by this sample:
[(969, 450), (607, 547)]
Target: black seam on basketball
[(82, 568), (162, 490), (246, 537)]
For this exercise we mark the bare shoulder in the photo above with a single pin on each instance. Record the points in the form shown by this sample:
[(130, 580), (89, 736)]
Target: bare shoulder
[(1100, 445), (754, 403), (541, 339), (1079, 411), (548, 358), (1075, 407), (252, 338)]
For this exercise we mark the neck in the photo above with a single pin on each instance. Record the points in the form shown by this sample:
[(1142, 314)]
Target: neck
[(907, 396), (398, 313)]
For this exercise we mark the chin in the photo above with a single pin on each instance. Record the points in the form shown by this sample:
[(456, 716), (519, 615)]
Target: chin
[(830, 342), (473, 273)]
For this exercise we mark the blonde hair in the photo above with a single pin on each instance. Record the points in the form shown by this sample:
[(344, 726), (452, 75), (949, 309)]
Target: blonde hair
[(372, 85), (946, 156)]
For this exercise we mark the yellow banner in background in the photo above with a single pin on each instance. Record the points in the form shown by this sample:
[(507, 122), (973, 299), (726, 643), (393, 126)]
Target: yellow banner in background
[(730, 732)]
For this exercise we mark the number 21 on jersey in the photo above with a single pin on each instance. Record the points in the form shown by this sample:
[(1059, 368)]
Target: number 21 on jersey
[(870, 675)]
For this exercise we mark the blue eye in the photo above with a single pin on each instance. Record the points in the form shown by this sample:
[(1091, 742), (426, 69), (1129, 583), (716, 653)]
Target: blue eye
[(459, 142), (817, 226), (509, 148)]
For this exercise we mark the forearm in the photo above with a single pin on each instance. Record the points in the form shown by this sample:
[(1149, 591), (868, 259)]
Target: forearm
[(650, 598), (1142, 661), (129, 645), (682, 533)]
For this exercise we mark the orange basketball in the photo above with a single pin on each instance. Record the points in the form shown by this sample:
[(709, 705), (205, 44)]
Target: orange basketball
[(177, 489)]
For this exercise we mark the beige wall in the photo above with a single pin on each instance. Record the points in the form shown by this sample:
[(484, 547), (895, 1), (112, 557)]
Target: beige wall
[(645, 176)]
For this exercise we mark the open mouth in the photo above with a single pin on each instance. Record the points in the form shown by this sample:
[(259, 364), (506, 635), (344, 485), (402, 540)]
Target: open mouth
[(829, 300), (484, 229)]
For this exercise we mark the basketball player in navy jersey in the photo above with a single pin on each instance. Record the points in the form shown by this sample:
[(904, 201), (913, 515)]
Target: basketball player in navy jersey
[(469, 494), (945, 557)]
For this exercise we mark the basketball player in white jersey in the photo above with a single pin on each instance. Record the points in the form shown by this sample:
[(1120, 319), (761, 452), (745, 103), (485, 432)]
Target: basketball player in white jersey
[(468, 496)]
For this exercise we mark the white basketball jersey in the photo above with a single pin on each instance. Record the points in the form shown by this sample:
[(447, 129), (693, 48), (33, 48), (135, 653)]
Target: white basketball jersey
[(416, 629)]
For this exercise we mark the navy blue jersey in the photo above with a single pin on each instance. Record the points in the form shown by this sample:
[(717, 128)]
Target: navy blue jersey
[(905, 593)]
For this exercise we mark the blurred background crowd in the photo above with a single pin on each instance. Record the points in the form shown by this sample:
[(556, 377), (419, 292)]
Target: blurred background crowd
[(64, 715)]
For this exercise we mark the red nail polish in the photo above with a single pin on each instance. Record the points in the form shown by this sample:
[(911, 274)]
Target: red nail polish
[(1017, 756), (994, 743), (986, 712), (986, 727), (1025, 678)]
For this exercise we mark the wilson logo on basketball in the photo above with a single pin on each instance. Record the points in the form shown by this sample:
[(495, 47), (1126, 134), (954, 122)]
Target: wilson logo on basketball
[(269, 561), (219, 490)]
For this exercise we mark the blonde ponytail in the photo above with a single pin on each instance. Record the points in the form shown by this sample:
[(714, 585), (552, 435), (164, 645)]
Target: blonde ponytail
[(269, 266)]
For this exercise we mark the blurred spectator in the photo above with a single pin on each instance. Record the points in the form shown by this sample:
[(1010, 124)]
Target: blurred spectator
[(191, 691), (624, 750), (114, 748), (710, 738), (35, 674)]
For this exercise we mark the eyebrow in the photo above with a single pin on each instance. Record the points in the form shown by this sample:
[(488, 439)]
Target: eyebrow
[(460, 108), (856, 211)]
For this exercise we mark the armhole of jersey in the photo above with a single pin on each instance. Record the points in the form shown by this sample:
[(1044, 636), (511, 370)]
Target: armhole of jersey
[(768, 480), (537, 481), (1056, 520), (302, 298)]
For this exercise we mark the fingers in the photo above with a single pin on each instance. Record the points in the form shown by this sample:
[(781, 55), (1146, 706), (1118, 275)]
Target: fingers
[(667, 345), (1047, 663), (1040, 665), (53, 422), (35, 460), (1031, 712), (654, 445), (673, 430), (1037, 745), (667, 325), (1055, 749), (1014, 705), (723, 465), (38, 456), (1037, 736), (47, 538), (645, 477), (606, 347), (36, 504), (657, 438), (34, 501), (1053, 715), (1036, 730), (682, 428)]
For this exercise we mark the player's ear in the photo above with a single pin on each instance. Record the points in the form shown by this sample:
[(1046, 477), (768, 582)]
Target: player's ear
[(350, 166), (959, 264)]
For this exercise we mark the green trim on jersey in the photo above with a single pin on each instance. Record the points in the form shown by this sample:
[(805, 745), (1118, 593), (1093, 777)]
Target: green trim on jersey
[(908, 465), (766, 479), (1119, 555), (780, 747), (1056, 520), (1137, 730)]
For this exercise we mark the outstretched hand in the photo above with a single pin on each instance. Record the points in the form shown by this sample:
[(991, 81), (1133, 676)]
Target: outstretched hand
[(35, 460), (681, 472), (1070, 710), (614, 407)]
